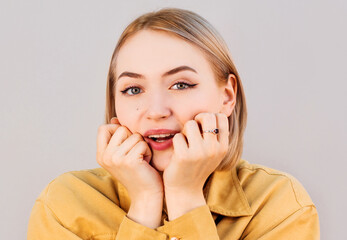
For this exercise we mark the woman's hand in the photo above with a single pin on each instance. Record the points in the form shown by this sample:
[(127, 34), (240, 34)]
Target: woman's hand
[(193, 161), (126, 157)]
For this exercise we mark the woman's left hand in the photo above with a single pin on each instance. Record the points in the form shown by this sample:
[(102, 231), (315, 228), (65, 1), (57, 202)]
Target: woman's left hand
[(197, 157)]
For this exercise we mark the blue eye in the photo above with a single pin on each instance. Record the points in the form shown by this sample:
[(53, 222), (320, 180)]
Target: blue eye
[(133, 90), (183, 85)]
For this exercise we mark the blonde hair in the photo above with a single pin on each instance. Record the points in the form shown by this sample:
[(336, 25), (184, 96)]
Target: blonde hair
[(194, 29)]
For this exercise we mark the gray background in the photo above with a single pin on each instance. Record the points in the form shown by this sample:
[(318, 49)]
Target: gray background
[(54, 59)]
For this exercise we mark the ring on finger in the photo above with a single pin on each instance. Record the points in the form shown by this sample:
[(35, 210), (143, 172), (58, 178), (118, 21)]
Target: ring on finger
[(214, 131)]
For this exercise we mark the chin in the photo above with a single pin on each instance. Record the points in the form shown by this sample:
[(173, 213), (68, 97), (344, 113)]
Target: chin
[(160, 160)]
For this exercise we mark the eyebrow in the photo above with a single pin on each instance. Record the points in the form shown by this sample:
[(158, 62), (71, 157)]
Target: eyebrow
[(171, 72)]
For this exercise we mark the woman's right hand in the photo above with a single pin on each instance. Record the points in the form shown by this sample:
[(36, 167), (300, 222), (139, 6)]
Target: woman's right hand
[(126, 157)]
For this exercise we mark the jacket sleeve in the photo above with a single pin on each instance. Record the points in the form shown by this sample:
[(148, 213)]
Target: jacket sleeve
[(196, 224), (43, 224), (301, 225), (62, 214), (130, 230)]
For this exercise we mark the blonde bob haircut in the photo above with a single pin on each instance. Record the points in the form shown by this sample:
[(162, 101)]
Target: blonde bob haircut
[(194, 29)]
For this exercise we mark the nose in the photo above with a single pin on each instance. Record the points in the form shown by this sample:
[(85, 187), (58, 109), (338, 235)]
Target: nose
[(158, 106)]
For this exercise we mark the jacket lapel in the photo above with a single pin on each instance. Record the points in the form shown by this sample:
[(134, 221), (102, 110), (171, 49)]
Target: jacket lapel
[(225, 195)]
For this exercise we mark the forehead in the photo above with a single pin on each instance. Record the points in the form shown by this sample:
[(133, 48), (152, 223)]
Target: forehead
[(151, 51)]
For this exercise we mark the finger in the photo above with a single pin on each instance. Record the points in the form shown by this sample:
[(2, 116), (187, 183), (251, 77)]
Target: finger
[(140, 152), (223, 125), (179, 144), (192, 133), (114, 120), (207, 122), (117, 139), (119, 136), (105, 133), (128, 144)]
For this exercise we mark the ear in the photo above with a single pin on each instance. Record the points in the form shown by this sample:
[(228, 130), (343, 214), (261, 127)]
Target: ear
[(229, 91)]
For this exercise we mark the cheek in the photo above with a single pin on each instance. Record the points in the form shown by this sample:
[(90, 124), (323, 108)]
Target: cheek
[(196, 104), (187, 112), (127, 115)]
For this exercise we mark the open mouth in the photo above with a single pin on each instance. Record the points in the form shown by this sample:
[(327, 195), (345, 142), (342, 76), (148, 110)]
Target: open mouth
[(160, 142), (161, 137)]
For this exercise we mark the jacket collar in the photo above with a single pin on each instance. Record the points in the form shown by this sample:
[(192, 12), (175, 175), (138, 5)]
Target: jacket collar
[(224, 194)]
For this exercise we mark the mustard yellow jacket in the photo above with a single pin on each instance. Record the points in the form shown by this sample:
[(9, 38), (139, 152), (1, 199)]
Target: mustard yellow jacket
[(249, 202)]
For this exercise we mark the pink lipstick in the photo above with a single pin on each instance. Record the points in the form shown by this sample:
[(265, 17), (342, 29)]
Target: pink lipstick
[(160, 139)]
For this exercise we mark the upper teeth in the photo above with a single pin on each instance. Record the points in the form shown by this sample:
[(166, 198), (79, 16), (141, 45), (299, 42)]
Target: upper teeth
[(160, 135)]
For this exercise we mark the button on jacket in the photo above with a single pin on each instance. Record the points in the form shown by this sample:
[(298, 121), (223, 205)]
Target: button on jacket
[(248, 202)]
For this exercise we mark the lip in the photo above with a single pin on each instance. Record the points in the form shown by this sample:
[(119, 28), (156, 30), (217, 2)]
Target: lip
[(160, 131), (159, 146)]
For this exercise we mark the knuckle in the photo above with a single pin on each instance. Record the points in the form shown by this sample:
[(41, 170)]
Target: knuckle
[(137, 136), (142, 144), (205, 115), (138, 146), (135, 139), (200, 115), (101, 128), (177, 136), (210, 116), (191, 123), (121, 131)]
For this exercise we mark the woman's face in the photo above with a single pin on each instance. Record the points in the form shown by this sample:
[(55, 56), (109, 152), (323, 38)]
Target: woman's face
[(151, 94)]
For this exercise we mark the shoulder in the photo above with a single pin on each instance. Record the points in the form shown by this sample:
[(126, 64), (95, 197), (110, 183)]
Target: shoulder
[(259, 182), (82, 182), (80, 190), (84, 202), (279, 202)]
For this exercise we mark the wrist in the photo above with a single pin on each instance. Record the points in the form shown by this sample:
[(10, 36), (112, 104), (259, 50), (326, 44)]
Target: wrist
[(181, 202), (147, 210), (153, 201)]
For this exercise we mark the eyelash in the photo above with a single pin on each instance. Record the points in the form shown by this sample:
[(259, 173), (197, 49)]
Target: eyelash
[(187, 84)]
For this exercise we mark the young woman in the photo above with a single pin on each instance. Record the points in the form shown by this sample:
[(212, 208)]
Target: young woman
[(170, 150)]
